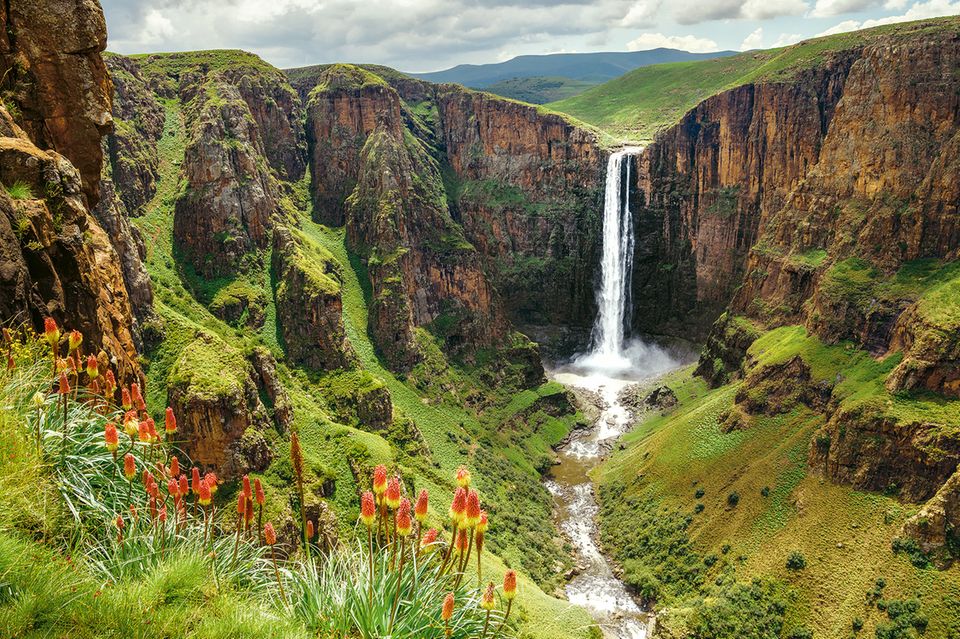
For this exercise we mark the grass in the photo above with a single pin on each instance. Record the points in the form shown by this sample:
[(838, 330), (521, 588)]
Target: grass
[(19, 191), (678, 471), (639, 104), (334, 443)]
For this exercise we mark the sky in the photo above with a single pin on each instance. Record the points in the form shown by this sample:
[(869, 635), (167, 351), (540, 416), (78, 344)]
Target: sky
[(428, 35)]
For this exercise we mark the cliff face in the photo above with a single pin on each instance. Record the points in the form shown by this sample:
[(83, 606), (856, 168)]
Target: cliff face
[(55, 259), (51, 64)]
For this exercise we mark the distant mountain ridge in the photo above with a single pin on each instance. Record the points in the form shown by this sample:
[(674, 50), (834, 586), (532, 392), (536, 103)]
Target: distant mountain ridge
[(590, 67)]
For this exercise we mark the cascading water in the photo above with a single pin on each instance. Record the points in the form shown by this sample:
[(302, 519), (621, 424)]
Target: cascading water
[(611, 364), (613, 296)]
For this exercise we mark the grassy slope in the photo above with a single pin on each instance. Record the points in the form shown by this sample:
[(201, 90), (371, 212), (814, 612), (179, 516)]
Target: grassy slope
[(179, 294), (538, 90), (845, 535), (637, 105)]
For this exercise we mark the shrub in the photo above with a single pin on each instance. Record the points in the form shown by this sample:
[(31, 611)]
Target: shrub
[(857, 624), (765, 491), (800, 633), (20, 191), (911, 548), (699, 494), (796, 561), (698, 508), (733, 499)]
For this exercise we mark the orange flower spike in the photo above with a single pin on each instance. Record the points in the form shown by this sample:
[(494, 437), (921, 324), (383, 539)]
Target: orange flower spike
[(63, 387), (447, 612), (163, 515), (404, 525), (125, 401), (392, 496), (195, 480), (111, 437), (174, 466), (247, 493), (510, 585), (429, 537), (368, 509), (487, 602), (463, 477), (144, 431), (51, 332), (137, 397), (258, 492), (111, 384), (131, 426), (173, 488), (204, 495), (10, 363), (459, 505), (420, 511), (472, 514), (241, 504), (93, 367), (310, 530), (169, 422), (74, 340), (211, 479), (462, 540), (483, 523), (379, 480), (269, 534), (248, 514), (129, 467), (183, 487)]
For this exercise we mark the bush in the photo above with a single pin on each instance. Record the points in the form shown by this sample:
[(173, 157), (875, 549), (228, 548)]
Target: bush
[(796, 561), (698, 508), (699, 494), (733, 499), (800, 633), (765, 491), (911, 548), (857, 624)]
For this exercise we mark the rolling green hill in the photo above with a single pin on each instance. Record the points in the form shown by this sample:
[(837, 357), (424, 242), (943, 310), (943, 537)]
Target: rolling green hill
[(641, 103)]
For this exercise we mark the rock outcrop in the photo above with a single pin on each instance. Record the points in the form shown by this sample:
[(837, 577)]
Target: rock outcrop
[(309, 306), (221, 420), (936, 528), (51, 66)]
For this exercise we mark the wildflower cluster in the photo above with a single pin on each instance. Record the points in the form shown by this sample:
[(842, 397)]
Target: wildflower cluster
[(389, 515)]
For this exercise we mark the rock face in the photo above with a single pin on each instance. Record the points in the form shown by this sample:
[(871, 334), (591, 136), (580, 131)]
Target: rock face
[(937, 526), (50, 62), (220, 417), (55, 259), (931, 347), (308, 304), (469, 208)]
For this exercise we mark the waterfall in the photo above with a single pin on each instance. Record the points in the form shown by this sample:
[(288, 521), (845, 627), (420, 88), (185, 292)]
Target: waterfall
[(613, 296)]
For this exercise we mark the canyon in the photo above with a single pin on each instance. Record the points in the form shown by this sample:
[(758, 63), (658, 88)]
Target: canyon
[(354, 254)]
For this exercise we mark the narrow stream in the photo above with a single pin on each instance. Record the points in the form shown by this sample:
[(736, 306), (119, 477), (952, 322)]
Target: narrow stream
[(595, 586)]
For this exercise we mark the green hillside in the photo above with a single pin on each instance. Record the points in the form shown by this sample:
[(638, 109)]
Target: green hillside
[(637, 105)]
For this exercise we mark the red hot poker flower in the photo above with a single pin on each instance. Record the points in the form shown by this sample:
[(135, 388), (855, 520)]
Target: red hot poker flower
[(93, 367), (459, 505), (420, 511), (447, 611), (173, 488), (111, 437), (111, 384), (174, 466), (205, 497), (392, 496), (129, 467), (74, 340), (241, 504), (211, 479), (50, 331), (482, 524), (463, 477), (368, 509), (472, 515), (428, 538), (379, 480), (258, 492), (125, 401), (404, 525), (247, 494), (487, 602), (248, 514), (510, 584), (137, 397), (64, 386), (269, 534), (184, 487), (144, 431), (309, 529), (170, 422), (195, 480)]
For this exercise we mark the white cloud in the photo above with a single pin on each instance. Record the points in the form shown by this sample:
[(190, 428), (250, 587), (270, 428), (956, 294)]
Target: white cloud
[(827, 8), (919, 11), (641, 14), (894, 5), (697, 11), (656, 40), (787, 39), (753, 41), (156, 28)]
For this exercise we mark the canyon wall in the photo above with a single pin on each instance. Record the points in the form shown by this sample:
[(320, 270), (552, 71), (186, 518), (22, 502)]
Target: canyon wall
[(55, 258)]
